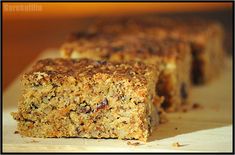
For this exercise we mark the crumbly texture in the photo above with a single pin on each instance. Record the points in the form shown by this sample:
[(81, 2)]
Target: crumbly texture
[(174, 56), (208, 55), (87, 98), (204, 36), (206, 39)]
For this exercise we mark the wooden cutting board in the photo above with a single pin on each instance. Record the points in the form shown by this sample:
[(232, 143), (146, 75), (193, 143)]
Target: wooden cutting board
[(203, 129)]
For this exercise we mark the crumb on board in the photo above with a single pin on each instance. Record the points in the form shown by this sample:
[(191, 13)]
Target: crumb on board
[(196, 106), (176, 128), (177, 144), (33, 141), (185, 108), (133, 143), (189, 107), (16, 132)]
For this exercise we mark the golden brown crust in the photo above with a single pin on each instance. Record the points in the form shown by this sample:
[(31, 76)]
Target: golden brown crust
[(180, 26), (59, 69), (138, 45), (204, 36)]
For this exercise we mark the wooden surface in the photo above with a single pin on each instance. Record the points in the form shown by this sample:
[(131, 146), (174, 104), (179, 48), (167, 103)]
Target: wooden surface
[(204, 129)]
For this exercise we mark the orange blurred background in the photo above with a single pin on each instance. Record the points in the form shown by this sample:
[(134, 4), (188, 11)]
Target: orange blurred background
[(73, 9), (30, 28)]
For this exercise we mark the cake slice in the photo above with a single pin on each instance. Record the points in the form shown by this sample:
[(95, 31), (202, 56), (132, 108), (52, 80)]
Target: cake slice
[(205, 36), (87, 98), (174, 55)]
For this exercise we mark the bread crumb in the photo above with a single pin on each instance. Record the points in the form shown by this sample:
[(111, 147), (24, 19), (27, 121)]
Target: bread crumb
[(177, 144), (33, 141), (196, 106), (16, 132), (188, 107), (176, 128), (185, 110), (133, 143)]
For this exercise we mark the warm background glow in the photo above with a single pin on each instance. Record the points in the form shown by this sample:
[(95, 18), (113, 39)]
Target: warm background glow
[(27, 33), (63, 9)]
